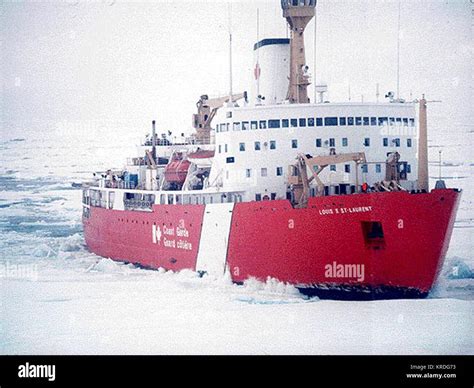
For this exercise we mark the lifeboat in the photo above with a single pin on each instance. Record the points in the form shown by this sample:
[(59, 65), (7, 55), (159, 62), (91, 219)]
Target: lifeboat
[(201, 158), (177, 169)]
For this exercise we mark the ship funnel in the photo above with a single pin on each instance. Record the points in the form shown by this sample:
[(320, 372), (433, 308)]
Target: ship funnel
[(298, 14)]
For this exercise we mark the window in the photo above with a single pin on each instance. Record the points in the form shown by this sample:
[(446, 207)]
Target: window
[(332, 167), (263, 171), (294, 143), (373, 121), (332, 142), (230, 159), (358, 120), (385, 141), (344, 142), (392, 120), (396, 142), (262, 124), (273, 123), (366, 121), (378, 168), (412, 122), (318, 143), (245, 125), (257, 146), (229, 115), (342, 121), (347, 168), (294, 122), (220, 148), (279, 171), (330, 121), (409, 143), (311, 122), (258, 197), (225, 148), (253, 125), (302, 122), (273, 145), (383, 121), (248, 173), (350, 121), (367, 141), (242, 147), (285, 123), (405, 121), (236, 126), (408, 169), (273, 196), (364, 168), (319, 122), (399, 119), (227, 127)]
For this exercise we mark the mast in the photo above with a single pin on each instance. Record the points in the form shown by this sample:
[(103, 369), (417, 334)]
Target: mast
[(298, 14), (423, 183)]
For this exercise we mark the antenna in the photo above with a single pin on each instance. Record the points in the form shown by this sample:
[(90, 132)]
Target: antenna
[(398, 51), (314, 59), (377, 92), (258, 51), (230, 52), (440, 152)]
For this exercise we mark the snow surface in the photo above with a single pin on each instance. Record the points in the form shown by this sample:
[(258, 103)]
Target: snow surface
[(57, 298)]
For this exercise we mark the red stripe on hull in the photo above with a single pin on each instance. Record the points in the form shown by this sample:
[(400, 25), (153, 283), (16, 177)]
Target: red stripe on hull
[(270, 238), (128, 235)]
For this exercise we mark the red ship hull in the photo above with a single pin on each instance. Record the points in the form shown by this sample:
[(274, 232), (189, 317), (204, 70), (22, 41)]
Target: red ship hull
[(363, 245)]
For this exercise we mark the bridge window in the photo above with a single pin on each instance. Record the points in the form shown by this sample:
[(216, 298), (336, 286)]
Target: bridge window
[(302, 122), (237, 126), (332, 142), (378, 168), (342, 121), (392, 120), (364, 168), (258, 197), (396, 142), (245, 125), (318, 143), (383, 121), (332, 167), (262, 124), (399, 119), (273, 145), (373, 121), (412, 122), (385, 141), (408, 168), (319, 121), (367, 142), (294, 122), (241, 146), (285, 123), (330, 121), (358, 120), (350, 121), (225, 148), (248, 172), (405, 121), (273, 123), (220, 148), (279, 171), (311, 122), (294, 143), (409, 142), (347, 168), (170, 199), (253, 125), (366, 121), (257, 146)]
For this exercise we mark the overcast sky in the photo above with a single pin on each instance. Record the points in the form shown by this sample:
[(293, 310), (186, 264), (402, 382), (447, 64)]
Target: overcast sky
[(112, 60)]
